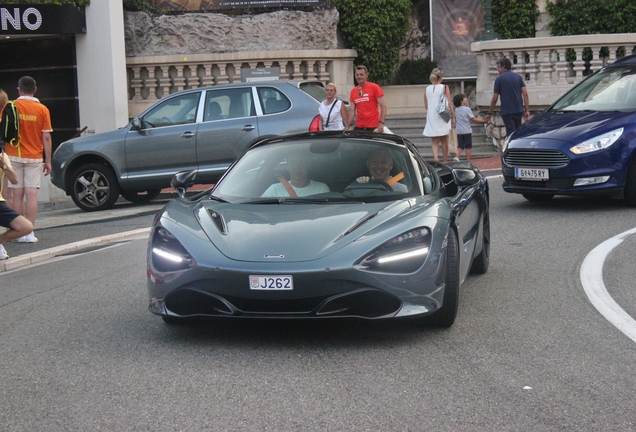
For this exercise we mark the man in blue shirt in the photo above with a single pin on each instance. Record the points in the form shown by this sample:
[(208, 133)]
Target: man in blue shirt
[(514, 97)]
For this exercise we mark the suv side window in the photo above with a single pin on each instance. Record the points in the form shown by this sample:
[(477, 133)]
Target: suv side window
[(228, 104), (315, 89), (273, 100), (174, 111)]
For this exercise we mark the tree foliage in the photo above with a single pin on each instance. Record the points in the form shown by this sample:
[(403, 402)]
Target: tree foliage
[(578, 17), (139, 5), (376, 29), (514, 19), (414, 72)]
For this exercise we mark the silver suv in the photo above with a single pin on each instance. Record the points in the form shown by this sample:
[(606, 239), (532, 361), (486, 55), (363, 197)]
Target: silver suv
[(204, 129)]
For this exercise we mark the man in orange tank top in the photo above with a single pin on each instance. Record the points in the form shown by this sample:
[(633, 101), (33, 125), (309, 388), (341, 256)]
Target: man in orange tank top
[(27, 155)]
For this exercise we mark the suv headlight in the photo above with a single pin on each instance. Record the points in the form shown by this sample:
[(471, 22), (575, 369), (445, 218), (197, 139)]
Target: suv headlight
[(597, 143)]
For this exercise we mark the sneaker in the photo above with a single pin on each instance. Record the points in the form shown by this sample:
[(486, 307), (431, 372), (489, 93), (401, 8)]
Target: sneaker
[(29, 238), (456, 159), (3, 253)]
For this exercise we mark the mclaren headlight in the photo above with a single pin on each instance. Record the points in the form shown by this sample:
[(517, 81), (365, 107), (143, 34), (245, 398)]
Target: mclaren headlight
[(598, 142), (168, 254), (402, 254)]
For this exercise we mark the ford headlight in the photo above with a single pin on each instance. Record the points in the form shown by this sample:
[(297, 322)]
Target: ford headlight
[(402, 254), (597, 143), (504, 146)]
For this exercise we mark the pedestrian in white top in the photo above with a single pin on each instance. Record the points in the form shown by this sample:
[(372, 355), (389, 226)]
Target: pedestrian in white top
[(436, 127), (332, 111)]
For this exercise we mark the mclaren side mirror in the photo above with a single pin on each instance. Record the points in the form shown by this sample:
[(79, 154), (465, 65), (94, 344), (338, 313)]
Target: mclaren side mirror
[(182, 181), (465, 176)]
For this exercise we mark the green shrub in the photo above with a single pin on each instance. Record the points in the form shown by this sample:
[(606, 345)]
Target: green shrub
[(514, 19), (376, 29), (578, 17), (415, 72), (139, 5)]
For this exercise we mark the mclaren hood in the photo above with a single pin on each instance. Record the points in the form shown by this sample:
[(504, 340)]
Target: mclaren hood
[(291, 232)]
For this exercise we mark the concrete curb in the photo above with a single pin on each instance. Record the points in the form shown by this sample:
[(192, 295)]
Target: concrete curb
[(47, 254)]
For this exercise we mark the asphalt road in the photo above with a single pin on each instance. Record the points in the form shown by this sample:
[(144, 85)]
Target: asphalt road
[(527, 352)]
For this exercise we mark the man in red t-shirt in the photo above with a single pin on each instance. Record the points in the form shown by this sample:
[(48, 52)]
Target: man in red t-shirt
[(365, 100)]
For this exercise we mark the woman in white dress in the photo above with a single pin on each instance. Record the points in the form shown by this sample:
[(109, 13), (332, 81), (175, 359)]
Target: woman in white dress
[(332, 111), (436, 127)]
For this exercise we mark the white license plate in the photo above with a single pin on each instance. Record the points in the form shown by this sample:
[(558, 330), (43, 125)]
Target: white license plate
[(532, 173), (273, 283)]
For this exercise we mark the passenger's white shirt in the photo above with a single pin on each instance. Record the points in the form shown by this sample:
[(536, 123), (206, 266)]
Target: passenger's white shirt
[(399, 187), (313, 188)]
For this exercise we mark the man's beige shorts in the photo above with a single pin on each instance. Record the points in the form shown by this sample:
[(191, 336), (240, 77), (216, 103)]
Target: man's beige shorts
[(29, 174)]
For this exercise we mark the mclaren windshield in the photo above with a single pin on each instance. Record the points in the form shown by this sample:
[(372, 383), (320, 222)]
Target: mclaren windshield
[(316, 170)]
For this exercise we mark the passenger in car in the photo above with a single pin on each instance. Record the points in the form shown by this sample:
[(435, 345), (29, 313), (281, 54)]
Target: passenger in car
[(214, 111), (299, 185), (379, 164)]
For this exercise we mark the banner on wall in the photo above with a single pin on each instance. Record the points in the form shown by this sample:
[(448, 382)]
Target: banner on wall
[(211, 5), (455, 24)]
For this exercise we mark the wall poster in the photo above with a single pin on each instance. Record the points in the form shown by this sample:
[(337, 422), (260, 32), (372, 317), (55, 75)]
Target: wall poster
[(455, 24)]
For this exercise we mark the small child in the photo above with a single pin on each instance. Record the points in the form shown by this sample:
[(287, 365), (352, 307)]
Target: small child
[(463, 116)]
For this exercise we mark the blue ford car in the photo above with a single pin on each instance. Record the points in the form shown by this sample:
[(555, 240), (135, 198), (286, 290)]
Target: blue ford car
[(584, 144)]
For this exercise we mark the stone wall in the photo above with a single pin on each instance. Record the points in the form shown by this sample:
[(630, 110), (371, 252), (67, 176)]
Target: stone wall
[(204, 33)]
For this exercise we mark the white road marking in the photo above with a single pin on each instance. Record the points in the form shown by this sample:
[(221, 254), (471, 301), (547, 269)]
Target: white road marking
[(592, 280)]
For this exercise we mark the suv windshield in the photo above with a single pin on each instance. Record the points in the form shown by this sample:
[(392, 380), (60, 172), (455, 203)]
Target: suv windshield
[(320, 170), (611, 89)]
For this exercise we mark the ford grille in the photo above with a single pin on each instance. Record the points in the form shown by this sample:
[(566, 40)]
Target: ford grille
[(544, 158)]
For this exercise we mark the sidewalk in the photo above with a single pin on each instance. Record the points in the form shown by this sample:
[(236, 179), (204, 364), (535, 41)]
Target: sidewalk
[(65, 213), (487, 163)]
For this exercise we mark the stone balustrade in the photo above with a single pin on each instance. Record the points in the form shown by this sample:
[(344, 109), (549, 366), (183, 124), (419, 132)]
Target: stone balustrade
[(550, 66), (152, 77)]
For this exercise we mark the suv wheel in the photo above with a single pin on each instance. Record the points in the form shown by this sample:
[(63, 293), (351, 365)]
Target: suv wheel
[(94, 187)]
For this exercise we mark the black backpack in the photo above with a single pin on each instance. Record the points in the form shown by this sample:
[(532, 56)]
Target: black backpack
[(10, 124)]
